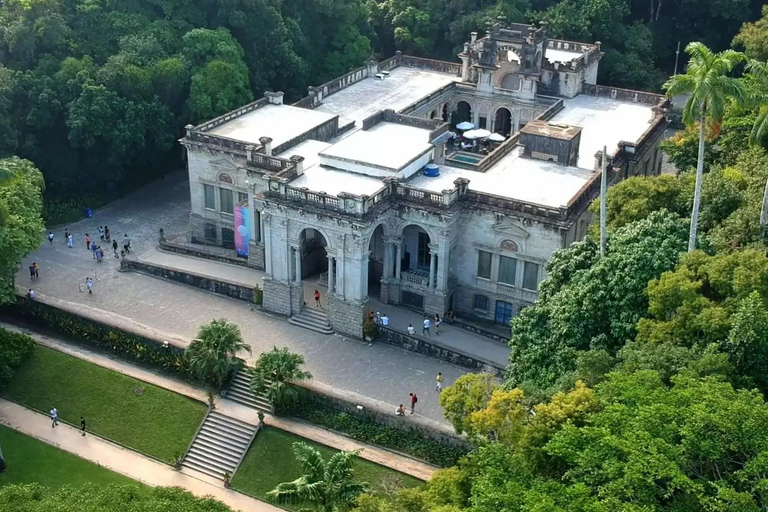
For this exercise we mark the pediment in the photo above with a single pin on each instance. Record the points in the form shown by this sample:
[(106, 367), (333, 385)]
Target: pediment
[(511, 230), (223, 164)]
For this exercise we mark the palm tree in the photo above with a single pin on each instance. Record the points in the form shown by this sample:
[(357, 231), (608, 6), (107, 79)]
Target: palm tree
[(328, 486), (213, 354), (756, 82), (709, 89), (273, 374)]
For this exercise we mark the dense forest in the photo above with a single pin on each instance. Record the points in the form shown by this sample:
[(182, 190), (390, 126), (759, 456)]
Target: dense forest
[(96, 93)]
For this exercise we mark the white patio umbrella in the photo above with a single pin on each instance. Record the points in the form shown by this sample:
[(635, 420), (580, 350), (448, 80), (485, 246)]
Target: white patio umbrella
[(465, 125), (496, 137), (471, 135), (481, 134)]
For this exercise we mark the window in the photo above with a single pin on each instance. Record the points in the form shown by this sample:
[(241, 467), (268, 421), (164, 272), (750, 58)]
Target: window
[(484, 264), (507, 270), (482, 122), (226, 205), (242, 197), (504, 312), (531, 276), (480, 302), (210, 233), (210, 199), (423, 252)]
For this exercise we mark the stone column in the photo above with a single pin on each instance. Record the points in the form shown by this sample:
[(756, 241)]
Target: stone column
[(297, 264), (331, 275), (251, 211), (398, 260), (442, 266), (387, 259), (432, 266), (267, 245)]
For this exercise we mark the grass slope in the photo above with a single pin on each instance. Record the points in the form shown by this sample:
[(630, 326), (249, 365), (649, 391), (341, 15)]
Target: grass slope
[(270, 461), (139, 415), (30, 460)]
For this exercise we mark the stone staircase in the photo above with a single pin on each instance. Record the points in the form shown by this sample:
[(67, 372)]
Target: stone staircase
[(220, 445), (314, 319), (239, 391)]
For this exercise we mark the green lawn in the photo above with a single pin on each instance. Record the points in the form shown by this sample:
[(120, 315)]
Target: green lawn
[(30, 460), (270, 461), (144, 417)]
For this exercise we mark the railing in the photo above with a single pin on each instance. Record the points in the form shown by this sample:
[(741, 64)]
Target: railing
[(318, 198), (216, 121), (616, 93), (420, 196), (271, 163), (417, 278)]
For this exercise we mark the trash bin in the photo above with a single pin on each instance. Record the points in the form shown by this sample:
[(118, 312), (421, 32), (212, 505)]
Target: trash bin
[(88, 213)]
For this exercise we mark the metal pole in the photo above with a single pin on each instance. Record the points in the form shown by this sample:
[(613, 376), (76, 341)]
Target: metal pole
[(603, 184), (677, 56)]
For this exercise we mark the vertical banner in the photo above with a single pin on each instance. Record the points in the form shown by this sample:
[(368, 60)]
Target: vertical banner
[(242, 230)]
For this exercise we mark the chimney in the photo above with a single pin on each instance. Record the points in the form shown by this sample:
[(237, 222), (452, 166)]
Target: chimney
[(249, 153), (598, 43), (189, 129), (266, 144), (599, 160), (473, 37), (275, 98), (298, 162)]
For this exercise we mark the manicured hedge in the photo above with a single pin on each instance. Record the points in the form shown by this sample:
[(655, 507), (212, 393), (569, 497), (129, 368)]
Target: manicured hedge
[(15, 348), (367, 431), (125, 345)]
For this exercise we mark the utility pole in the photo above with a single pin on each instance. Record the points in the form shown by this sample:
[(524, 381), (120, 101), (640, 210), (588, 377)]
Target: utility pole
[(677, 56), (603, 185)]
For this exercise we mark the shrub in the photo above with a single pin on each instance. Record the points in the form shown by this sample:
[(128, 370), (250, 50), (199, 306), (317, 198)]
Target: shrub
[(369, 329), (258, 295), (365, 430), (124, 344), (15, 348)]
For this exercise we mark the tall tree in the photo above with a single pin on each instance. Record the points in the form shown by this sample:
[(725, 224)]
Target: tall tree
[(213, 354), (756, 82), (708, 86), (328, 486), (275, 372), (21, 227)]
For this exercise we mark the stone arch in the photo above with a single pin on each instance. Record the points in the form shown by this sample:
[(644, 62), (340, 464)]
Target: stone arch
[(511, 82), (463, 112), (415, 252), (314, 253), (223, 177), (503, 121), (433, 114), (444, 112), (376, 255)]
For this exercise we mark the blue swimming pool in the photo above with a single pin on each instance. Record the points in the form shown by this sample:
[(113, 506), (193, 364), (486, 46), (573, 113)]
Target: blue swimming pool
[(469, 159)]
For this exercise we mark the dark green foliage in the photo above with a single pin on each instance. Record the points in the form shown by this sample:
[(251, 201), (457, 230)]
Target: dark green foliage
[(367, 431), (121, 343), (15, 348)]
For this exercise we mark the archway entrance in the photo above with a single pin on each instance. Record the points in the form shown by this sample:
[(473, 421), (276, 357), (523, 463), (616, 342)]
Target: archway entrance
[(503, 123), (433, 114), (376, 256), (445, 112), (415, 265), (463, 113), (314, 264)]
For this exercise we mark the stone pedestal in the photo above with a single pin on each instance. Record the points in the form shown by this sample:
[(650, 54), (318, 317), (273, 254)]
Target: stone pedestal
[(256, 255), (384, 292), (346, 317), (281, 297), (435, 302)]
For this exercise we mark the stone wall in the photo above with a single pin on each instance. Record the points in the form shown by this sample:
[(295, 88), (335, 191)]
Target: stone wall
[(434, 349), (648, 98), (381, 413), (277, 297), (218, 286), (346, 317), (187, 250)]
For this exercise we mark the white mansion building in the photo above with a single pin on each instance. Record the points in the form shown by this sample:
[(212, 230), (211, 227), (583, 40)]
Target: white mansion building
[(333, 188)]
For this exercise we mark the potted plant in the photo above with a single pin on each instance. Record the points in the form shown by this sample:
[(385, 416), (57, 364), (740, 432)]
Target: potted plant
[(227, 479), (369, 330)]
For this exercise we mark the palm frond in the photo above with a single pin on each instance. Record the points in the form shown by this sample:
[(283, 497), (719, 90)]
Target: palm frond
[(311, 461)]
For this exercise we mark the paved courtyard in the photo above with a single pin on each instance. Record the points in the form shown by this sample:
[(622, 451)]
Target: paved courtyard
[(379, 371)]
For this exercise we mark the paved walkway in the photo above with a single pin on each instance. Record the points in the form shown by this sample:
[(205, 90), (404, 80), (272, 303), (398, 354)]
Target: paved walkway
[(380, 456), (121, 460), (379, 371)]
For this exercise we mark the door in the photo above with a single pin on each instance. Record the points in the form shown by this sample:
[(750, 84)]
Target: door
[(503, 312)]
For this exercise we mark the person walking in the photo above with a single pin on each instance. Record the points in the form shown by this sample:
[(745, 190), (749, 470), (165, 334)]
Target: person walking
[(437, 324), (88, 241), (70, 241), (99, 254), (32, 271), (425, 329), (414, 399), (114, 248), (54, 417), (317, 298), (439, 382), (89, 284), (37, 270), (93, 249), (101, 234), (50, 238), (66, 234), (106, 234), (82, 426), (126, 243)]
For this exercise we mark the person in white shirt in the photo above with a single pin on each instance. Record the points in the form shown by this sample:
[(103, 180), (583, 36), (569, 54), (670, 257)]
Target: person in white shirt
[(425, 330), (411, 330), (31, 294), (384, 319), (54, 417)]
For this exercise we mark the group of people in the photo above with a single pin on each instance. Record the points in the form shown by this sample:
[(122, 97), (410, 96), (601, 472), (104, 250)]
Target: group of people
[(414, 399), (54, 414)]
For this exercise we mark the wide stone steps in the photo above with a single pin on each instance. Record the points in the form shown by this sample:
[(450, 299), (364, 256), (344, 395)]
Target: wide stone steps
[(314, 319), (239, 391), (220, 445)]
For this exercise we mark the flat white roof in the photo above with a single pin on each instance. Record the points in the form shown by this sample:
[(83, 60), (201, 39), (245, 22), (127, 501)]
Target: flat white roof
[(402, 87), (308, 149), (604, 122), (515, 177), (555, 55), (280, 122), (389, 145)]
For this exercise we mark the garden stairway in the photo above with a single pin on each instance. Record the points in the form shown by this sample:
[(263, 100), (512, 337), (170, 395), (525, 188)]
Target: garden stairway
[(313, 319), (239, 391), (220, 445)]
